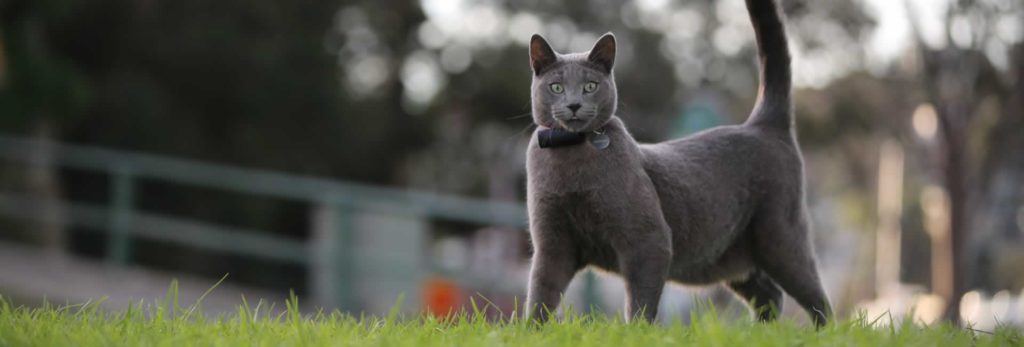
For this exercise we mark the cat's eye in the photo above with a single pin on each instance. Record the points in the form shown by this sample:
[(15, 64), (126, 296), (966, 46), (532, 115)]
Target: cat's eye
[(590, 87), (557, 88)]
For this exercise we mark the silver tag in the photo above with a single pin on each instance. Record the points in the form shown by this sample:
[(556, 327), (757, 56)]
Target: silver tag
[(599, 140)]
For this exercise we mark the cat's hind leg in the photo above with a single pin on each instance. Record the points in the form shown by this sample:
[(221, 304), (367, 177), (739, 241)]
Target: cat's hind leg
[(761, 293), (783, 250)]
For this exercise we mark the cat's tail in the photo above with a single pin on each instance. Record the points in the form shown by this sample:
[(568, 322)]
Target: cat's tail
[(773, 107)]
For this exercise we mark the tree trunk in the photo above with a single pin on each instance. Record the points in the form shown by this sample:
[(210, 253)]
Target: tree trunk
[(948, 77), (955, 183)]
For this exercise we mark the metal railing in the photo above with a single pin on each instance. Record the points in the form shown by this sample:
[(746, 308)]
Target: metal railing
[(340, 212)]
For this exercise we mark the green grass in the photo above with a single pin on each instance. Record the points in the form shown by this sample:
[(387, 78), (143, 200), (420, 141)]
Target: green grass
[(165, 323)]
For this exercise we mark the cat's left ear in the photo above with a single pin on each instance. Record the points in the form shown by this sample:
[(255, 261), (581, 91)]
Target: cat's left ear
[(603, 53)]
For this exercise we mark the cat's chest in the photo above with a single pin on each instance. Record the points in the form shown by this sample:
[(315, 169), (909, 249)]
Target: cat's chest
[(580, 169)]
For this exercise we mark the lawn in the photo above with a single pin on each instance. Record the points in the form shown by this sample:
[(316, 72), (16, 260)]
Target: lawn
[(165, 323)]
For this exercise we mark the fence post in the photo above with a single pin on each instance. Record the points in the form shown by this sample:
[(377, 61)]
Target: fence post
[(388, 258), (331, 242), (122, 195)]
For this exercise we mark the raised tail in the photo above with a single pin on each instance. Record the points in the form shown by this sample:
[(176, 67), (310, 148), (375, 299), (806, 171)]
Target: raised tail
[(773, 108)]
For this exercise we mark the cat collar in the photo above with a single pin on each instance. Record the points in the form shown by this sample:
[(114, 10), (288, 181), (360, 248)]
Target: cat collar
[(558, 137)]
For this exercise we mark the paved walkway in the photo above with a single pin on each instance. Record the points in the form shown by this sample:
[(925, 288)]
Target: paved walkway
[(29, 274)]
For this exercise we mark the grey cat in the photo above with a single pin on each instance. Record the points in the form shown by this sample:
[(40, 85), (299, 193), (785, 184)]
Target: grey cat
[(724, 205)]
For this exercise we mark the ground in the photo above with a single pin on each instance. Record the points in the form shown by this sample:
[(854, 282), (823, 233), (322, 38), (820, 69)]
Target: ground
[(165, 323)]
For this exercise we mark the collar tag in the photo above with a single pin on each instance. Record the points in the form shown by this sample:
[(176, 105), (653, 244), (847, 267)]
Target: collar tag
[(599, 139)]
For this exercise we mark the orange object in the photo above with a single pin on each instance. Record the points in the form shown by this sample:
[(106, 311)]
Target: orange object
[(441, 296)]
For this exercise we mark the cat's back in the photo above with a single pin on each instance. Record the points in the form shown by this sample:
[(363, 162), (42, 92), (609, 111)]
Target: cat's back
[(732, 151)]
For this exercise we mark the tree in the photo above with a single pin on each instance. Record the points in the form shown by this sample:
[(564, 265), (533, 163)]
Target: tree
[(957, 79)]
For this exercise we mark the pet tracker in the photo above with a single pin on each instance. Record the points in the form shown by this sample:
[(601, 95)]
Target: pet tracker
[(556, 137)]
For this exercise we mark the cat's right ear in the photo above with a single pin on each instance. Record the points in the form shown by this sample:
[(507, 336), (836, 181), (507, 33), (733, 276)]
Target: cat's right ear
[(603, 53), (541, 54)]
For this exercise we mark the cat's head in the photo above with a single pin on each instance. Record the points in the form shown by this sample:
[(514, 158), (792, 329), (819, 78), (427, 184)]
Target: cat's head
[(574, 91)]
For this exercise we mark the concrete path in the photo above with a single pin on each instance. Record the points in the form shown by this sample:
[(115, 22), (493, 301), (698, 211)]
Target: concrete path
[(29, 275)]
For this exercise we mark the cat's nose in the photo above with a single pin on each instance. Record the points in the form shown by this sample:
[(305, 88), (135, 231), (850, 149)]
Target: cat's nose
[(574, 107)]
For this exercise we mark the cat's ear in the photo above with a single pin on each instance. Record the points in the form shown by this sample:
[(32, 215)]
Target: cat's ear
[(541, 54), (603, 53)]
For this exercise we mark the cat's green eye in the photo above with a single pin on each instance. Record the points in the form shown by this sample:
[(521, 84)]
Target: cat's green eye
[(557, 88), (590, 87)]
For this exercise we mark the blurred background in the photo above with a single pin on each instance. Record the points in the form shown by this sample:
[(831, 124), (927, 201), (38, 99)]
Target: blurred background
[(359, 152)]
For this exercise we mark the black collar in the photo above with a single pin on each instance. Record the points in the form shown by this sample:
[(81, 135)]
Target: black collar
[(558, 137)]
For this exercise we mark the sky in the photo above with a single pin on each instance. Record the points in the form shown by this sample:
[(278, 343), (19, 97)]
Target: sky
[(892, 34), (890, 38)]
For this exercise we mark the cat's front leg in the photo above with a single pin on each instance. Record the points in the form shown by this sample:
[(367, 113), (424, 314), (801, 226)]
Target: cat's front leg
[(549, 276), (644, 269), (555, 262)]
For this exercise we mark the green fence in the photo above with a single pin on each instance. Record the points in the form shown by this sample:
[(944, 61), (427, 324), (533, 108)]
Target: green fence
[(340, 212)]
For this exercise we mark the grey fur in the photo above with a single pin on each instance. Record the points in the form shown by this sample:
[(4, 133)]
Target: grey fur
[(722, 206)]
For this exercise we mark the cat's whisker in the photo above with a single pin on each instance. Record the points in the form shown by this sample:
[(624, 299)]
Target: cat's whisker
[(509, 140), (522, 115)]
